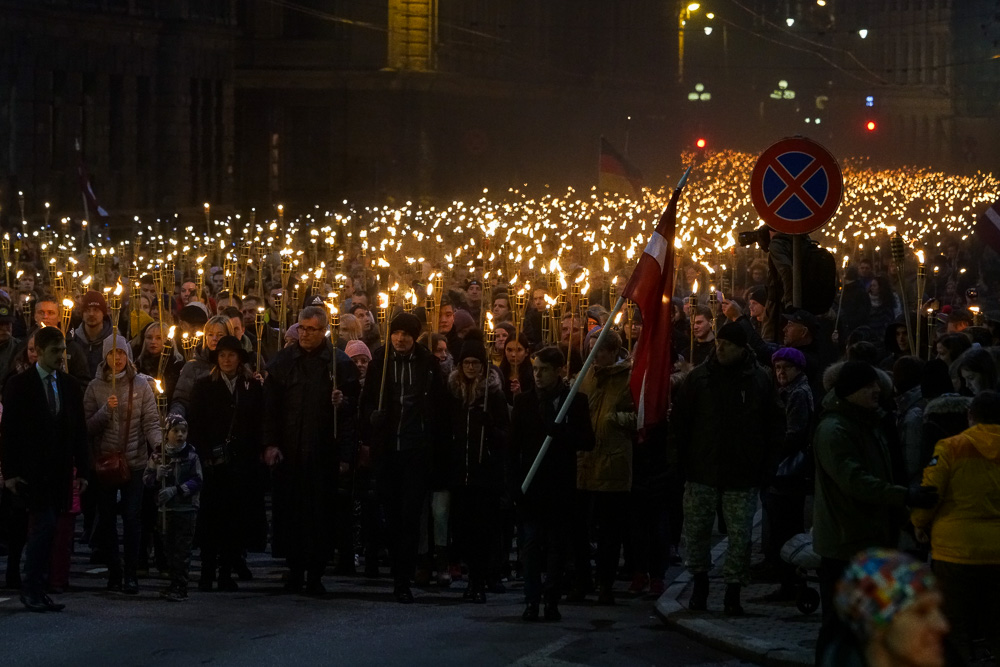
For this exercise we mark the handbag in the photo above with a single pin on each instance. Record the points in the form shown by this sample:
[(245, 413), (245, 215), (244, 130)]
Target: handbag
[(795, 473), (222, 454), (112, 469)]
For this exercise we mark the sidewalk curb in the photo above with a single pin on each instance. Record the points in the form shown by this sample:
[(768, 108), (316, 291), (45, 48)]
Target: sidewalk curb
[(721, 635)]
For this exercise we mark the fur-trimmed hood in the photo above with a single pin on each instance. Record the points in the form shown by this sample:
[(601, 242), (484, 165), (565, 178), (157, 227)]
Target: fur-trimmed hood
[(458, 387), (832, 372), (947, 404)]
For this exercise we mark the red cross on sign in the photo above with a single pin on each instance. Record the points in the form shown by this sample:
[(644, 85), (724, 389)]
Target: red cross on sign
[(796, 186)]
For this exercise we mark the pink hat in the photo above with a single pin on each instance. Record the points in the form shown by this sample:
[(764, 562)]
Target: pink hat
[(357, 348), (292, 332)]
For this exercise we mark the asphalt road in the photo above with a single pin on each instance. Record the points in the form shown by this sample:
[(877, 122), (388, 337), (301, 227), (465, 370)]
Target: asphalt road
[(356, 623)]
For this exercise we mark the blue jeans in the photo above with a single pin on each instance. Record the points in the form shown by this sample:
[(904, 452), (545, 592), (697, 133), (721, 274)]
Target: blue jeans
[(106, 531)]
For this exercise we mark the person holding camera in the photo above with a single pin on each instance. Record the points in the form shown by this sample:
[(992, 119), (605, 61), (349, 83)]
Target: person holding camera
[(224, 421)]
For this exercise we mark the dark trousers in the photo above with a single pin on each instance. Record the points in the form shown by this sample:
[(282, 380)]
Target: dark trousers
[(971, 603), (177, 543), (829, 573), (38, 551), (649, 531), (401, 482), (15, 529), (608, 511), (106, 529), (475, 516), (545, 533)]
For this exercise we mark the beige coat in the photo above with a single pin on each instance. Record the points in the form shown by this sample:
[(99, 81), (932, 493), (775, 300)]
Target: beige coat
[(608, 467)]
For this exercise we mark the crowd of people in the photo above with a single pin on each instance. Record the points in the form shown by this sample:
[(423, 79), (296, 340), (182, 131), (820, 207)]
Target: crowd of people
[(405, 442)]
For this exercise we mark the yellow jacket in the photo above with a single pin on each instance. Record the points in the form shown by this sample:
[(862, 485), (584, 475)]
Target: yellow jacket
[(965, 526), (608, 467)]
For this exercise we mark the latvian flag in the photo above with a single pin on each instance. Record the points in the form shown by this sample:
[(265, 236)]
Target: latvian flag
[(988, 227), (616, 174), (651, 287), (88, 192)]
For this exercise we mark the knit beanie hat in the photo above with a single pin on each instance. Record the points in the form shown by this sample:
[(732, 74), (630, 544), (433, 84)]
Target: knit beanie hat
[(473, 348), (357, 348), (292, 332), (114, 339), (96, 299), (406, 322), (758, 294), (463, 320), (790, 355), (877, 584), (734, 333), (854, 375), (172, 421)]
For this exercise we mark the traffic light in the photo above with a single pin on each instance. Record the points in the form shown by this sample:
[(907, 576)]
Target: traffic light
[(870, 126), (700, 144)]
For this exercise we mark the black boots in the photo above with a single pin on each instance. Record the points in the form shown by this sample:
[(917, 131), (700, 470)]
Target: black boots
[(732, 602), (551, 612), (699, 596)]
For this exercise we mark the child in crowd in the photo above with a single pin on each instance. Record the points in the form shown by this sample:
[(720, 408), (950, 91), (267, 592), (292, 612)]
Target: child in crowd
[(179, 477)]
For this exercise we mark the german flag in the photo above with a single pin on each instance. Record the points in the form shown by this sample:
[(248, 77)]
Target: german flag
[(616, 174)]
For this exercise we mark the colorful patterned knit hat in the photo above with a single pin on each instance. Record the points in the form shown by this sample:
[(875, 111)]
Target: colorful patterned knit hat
[(876, 585), (172, 421)]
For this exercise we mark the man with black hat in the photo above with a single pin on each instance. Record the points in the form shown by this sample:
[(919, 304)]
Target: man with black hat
[(310, 435), (857, 504), (224, 421), (725, 420), (400, 419)]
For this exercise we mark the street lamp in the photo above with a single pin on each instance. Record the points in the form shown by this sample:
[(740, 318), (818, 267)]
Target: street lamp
[(682, 18)]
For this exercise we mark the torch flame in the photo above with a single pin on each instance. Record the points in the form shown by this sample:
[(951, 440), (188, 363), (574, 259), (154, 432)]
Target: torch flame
[(159, 386)]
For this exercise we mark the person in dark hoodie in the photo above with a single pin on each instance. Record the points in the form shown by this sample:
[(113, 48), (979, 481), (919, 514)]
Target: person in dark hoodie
[(724, 440), (401, 419), (478, 450), (545, 511)]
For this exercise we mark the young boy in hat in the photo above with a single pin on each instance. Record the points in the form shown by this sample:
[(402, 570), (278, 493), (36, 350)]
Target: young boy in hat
[(178, 473)]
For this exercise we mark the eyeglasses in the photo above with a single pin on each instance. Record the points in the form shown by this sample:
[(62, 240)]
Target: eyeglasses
[(471, 362), (309, 330)]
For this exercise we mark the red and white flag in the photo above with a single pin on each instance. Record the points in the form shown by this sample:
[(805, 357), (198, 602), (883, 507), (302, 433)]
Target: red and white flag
[(89, 198), (651, 287), (988, 227)]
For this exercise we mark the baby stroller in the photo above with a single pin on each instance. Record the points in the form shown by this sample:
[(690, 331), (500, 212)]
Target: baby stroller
[(798, 551)]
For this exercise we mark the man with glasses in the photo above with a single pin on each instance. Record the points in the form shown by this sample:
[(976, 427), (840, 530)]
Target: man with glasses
[(401, 418), (310, 436)]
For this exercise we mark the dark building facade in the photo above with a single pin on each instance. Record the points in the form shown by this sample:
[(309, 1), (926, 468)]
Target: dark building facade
[(253, 102)]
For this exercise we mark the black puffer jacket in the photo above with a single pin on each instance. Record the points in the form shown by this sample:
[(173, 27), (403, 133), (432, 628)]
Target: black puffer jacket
[(724, 420)]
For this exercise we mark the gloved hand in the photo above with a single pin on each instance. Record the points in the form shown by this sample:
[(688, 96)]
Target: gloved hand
[(162, 471), (379, 418), (922, 497), (165, 495)]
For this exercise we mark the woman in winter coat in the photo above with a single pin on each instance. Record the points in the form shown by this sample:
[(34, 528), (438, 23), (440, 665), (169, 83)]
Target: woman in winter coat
[(224, 426), (153, 338), (199, 366), (515, 368), (883, 312), (121, 417), (479, 428)]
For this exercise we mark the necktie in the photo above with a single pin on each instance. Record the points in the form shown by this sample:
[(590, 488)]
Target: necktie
[(50, 393)]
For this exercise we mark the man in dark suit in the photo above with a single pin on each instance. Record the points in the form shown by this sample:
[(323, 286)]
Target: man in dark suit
[(43, 437)]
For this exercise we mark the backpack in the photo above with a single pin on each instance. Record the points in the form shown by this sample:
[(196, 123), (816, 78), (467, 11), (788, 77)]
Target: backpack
[(819, 279)]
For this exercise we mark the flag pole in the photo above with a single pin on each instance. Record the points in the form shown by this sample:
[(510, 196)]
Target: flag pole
[(575, 388)]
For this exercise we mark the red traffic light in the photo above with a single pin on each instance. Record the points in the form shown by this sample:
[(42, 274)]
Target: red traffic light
[(701, 143), (870, 126)]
